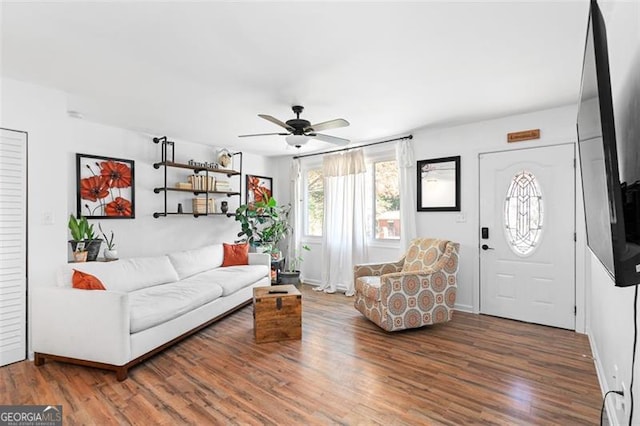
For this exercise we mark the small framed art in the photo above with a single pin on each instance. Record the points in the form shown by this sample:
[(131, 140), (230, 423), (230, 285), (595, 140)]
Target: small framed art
[(259, 188)]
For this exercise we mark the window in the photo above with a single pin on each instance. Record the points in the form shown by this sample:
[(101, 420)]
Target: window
[(314, 196), (387, 200), (523, 213), (382, 204)]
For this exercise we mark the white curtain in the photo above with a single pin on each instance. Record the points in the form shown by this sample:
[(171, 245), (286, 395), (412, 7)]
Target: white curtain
[(343, 228), (407, 174), (295, 214)]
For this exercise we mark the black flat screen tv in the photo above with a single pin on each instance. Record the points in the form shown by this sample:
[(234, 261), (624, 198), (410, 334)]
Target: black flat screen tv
[(610, 168)]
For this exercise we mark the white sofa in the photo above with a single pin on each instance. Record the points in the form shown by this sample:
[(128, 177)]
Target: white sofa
[(149, 304)]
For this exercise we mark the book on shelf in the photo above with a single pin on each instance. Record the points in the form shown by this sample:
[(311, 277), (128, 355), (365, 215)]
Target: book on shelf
[(202, 182), (200, 205), (223, 186), (184, 185)]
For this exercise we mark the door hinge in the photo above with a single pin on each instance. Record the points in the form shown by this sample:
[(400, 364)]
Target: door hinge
[(574, 163), (575, 236), (575, 310)]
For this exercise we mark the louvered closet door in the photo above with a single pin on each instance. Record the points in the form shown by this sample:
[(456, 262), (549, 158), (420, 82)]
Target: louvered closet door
[(13, 246)]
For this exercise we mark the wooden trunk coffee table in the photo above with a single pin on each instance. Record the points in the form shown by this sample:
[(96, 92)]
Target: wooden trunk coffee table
[(277, 313)]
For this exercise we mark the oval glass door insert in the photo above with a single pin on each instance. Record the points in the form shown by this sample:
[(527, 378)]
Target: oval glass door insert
[(523, 213)]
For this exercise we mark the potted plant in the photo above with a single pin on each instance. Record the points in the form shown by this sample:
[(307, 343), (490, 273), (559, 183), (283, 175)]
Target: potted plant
[(110, 253), (291, 275), (81, 231), (264, 224)]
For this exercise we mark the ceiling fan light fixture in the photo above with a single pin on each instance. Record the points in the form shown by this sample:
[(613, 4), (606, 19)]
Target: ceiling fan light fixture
[(297, 140)]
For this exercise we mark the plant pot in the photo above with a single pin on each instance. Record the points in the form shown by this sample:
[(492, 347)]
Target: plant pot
[(289, 277), (80, 256), (91, 246), (110, 254)]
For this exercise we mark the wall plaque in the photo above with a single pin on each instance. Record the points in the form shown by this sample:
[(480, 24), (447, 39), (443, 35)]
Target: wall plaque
[(525, 135)]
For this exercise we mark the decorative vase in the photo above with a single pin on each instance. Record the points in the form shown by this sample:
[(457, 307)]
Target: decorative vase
[(224, 207), (110, 254)]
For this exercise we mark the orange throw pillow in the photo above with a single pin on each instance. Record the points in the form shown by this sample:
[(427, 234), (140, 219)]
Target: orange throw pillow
[(83, 281), (235, 254)]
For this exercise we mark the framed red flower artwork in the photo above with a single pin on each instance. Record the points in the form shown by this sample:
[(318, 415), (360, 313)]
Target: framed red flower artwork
[(259, 188), (105, 187)]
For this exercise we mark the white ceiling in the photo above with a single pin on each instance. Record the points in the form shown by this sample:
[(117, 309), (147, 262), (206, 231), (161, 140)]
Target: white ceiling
[(203, 71)]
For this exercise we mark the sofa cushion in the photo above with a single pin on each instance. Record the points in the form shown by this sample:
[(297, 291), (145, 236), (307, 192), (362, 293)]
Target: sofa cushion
[(191, 262), (124, 275), (155, 305), (231, 278)]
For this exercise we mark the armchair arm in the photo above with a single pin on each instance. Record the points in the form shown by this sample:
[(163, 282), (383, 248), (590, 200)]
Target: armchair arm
[(91, 325), (377, 269)]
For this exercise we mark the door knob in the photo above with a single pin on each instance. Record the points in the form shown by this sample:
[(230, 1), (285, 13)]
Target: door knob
[(486, 247)]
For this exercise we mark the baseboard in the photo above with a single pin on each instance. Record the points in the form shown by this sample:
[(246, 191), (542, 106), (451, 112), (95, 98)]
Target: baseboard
[(463, 308), (612, 413)]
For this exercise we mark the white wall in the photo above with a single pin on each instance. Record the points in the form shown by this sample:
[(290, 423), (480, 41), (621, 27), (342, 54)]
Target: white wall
[(557, 126), (54, 139), (610, 319)]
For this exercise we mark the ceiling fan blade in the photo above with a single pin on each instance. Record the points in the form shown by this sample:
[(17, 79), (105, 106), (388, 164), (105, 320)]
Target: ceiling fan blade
[(276, 121), (263, 134), (325, 125), (331, 139)]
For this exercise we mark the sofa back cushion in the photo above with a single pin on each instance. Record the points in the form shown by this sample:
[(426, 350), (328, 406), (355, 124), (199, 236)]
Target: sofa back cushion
[(191, 262), (124, 275)]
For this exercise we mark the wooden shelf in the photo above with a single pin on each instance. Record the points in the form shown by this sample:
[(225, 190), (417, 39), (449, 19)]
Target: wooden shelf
[(195, 191), (196, 169), (166, 189), (162, 214)]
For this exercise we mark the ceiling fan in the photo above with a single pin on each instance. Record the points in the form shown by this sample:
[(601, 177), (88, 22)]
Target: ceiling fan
[(301, 130)]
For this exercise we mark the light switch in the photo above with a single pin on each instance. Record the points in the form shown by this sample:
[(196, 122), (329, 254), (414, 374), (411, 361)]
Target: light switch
[(461, 217)]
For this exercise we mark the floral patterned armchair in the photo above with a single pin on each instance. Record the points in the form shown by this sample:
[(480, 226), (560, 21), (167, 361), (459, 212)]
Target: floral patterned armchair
[(418, 290)]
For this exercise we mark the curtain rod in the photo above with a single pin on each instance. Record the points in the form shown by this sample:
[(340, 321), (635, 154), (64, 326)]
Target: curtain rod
[(353, 147)]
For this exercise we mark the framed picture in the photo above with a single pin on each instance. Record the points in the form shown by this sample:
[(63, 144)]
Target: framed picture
[(439, 185), (105, 187), (259, 188)]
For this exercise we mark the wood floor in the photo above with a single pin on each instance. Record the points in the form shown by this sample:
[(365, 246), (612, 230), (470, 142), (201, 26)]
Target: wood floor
[(345, 370)]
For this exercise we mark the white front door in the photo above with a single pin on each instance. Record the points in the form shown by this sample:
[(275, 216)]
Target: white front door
[(13, 246), (527, 254)]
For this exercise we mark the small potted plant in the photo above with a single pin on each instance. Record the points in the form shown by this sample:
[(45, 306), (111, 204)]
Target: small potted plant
[(291, 275), (110, 253), (81, 231)]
